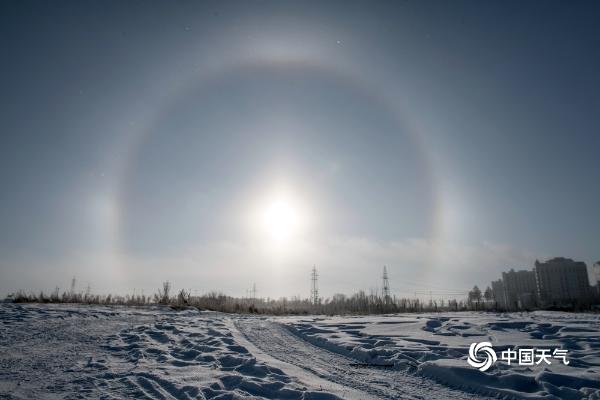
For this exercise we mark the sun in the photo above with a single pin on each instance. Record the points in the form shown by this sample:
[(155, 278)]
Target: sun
[(280, 219)]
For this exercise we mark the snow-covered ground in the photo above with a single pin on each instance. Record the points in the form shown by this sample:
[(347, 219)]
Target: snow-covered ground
[(68, 351), (149, 353), (437, 345)]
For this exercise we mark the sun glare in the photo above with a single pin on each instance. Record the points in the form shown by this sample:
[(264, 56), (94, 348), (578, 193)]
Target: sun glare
[(280, 219)]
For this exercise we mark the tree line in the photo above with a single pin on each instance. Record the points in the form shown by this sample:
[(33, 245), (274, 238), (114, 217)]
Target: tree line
[(357, 303)]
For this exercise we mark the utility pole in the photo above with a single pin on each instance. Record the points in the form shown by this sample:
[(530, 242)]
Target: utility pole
[(386, 286), (314, 287), (254, 291)]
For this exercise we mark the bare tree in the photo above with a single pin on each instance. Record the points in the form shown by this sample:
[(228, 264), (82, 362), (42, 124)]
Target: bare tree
[(183, 298), (475, 294), (163, 295), (488, 294)]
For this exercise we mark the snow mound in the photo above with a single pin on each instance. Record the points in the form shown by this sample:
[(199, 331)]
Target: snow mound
[(115, 352), (436, 346)]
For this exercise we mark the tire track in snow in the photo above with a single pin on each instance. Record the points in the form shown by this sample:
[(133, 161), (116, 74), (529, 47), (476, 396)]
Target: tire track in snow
[(278, 342)]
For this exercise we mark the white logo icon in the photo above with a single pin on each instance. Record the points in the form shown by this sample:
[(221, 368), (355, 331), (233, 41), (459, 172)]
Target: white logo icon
[(490, 355)]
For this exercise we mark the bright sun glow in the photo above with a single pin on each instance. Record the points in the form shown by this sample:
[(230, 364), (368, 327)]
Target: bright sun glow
[(280, 219)]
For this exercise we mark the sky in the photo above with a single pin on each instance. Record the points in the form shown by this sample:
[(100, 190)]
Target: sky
[(221, 144)]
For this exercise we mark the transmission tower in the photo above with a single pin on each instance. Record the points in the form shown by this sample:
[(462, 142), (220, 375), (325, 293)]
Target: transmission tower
[(386, 286), (314, 287)]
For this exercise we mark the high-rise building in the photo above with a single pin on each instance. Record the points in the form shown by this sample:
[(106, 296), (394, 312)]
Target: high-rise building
[(520, 289), (596, 278), (597, 273), (561, 280), (499, 293)]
